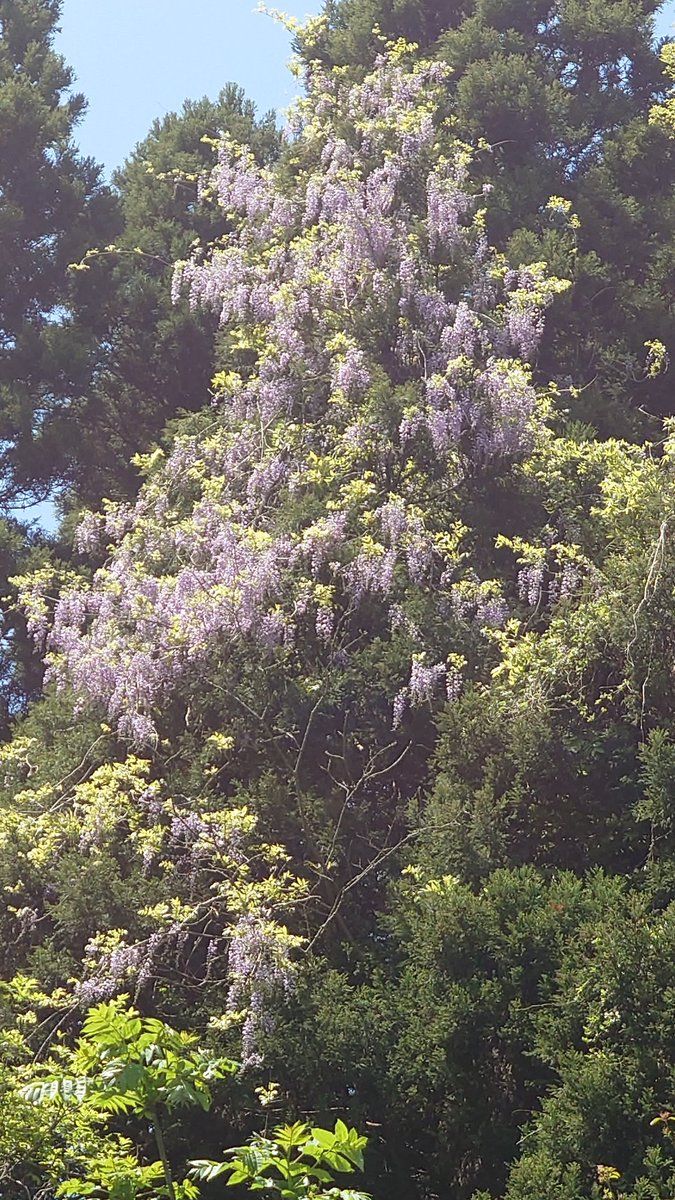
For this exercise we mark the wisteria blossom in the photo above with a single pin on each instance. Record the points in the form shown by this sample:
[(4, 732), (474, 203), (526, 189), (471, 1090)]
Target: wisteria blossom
[(259, 964), (380, 348)]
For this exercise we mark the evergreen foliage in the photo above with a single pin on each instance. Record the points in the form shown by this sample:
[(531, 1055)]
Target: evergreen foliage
[(53, 207)]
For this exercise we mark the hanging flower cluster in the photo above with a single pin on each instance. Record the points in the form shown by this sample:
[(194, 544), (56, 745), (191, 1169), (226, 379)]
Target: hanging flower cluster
[(377, 354)]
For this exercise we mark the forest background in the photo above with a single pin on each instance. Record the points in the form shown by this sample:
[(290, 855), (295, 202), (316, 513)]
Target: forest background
[(338, 762)]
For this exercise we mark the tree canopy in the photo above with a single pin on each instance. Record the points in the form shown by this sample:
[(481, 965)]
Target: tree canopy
[(340, 827)]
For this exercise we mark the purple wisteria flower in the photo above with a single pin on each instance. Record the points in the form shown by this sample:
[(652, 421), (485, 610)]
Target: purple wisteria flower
[(324, 623), (259, 965), (371, 574), (531, 584), (447, 207), (351, 374), (424, 680)]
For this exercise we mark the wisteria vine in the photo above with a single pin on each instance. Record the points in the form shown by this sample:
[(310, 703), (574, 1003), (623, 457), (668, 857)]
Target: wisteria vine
[(378, 355)]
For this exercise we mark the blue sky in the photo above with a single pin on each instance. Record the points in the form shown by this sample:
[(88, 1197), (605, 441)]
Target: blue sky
[(666, 20), (138, 59)]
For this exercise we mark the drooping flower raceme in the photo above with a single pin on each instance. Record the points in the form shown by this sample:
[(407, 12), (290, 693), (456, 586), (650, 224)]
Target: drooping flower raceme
[(377, 357)]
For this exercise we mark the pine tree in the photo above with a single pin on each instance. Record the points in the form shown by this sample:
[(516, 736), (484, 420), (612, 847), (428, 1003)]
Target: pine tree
[(53, 206)]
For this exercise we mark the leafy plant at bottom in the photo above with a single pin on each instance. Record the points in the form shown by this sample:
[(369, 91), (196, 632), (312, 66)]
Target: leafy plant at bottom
[(297, 1163), (126, 1064)]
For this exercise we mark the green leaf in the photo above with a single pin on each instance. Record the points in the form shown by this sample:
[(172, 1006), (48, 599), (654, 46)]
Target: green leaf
[(206, 1169), (324, 1137), (130, 1077)]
